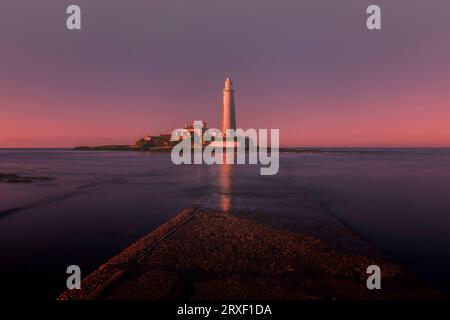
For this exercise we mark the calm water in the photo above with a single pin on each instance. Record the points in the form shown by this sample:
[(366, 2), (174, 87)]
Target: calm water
[(100, 202)]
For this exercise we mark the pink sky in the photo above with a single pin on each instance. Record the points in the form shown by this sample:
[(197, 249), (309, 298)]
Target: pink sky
[(309, 68)]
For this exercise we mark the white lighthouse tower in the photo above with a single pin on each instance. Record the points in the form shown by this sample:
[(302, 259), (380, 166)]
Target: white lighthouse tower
[(228, 113)]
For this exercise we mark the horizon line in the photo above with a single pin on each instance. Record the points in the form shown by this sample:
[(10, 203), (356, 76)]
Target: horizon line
[(281, 147)]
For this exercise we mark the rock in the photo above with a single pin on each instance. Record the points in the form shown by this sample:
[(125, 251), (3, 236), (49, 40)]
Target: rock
[(15, 178)]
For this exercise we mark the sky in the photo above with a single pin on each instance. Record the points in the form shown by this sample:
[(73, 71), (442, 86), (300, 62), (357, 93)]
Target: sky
[(310, 68)]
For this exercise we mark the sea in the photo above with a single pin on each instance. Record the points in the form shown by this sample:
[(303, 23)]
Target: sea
[(99, 202)]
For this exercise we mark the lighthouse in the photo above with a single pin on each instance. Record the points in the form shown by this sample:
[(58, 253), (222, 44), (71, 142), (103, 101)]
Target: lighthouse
[(228, 113)]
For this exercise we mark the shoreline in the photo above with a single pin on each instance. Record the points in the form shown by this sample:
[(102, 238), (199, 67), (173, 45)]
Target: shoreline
[(208, 253), (285, 150)]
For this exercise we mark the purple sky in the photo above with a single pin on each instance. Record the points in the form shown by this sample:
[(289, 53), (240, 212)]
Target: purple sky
[(309, 68)]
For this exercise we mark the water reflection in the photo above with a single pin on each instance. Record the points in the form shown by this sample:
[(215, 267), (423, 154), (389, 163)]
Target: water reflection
[(225, 187)]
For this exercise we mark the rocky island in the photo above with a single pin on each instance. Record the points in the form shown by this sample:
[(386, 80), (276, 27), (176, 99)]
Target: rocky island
[(147, 143)]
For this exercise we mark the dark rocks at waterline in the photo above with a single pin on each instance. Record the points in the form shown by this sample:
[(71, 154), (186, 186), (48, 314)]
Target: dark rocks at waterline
[(15, 178), (106, 148)]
